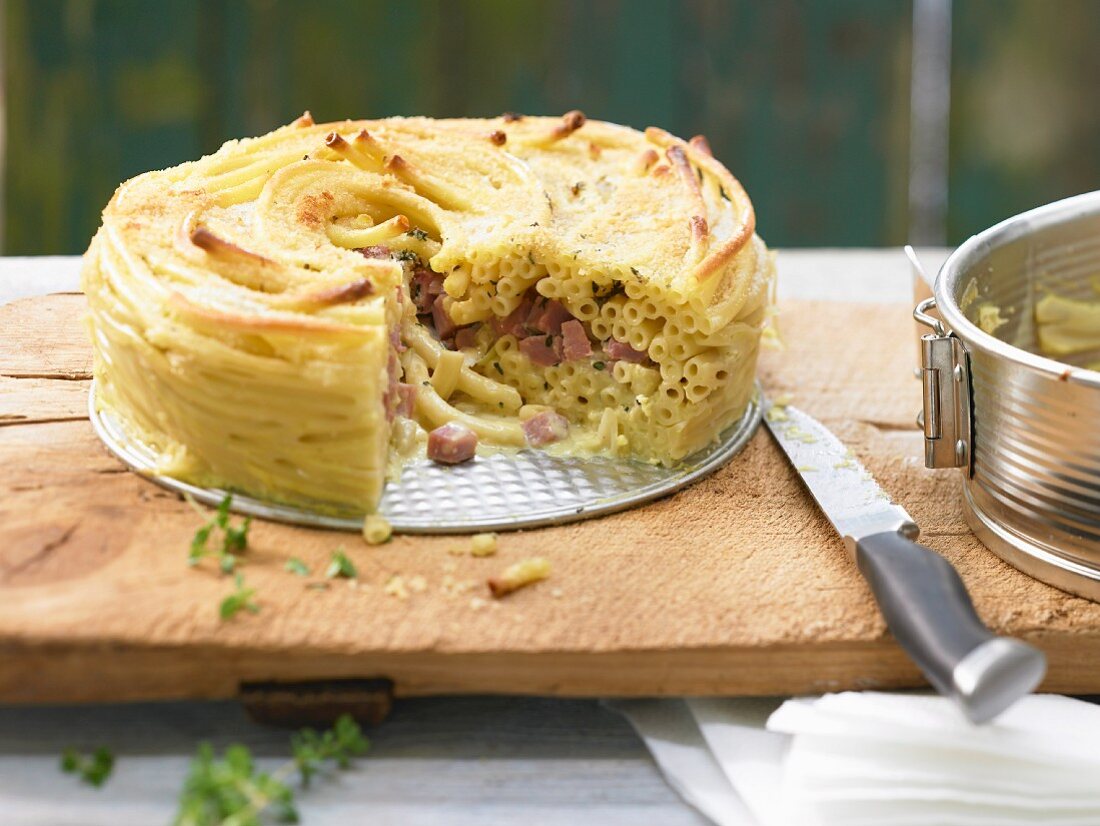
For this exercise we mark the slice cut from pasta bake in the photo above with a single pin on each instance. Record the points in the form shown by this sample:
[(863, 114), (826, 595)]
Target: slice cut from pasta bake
[(289, 316)]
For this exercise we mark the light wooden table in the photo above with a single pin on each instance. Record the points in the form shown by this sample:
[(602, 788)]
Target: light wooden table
[(447, 760)]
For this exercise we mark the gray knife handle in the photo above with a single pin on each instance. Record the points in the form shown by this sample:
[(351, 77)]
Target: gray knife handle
[(930, 614)]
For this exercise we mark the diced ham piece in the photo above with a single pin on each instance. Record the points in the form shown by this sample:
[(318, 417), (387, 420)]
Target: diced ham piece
[(544, 350), (545, 427), (437, 279), (623, 352), (466, 337), (538, 307), (452, 443), (425, 286), (374, 251), (444, 327), (406, 400), (390, 398), (575, 344), (513, 323), (552, 315), (395, 341)]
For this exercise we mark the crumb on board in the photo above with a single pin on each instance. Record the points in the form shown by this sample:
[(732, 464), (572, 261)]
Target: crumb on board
[(450, 586), (483, 544), (418, 584), (523, 573), (395, 587), (477, 603), (376, 529), (557, 593)]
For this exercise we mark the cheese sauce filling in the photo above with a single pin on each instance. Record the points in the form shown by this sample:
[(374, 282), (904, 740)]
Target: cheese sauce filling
[(289, 316)]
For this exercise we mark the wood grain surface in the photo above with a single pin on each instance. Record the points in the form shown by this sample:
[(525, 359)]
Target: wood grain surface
[(734, 586)]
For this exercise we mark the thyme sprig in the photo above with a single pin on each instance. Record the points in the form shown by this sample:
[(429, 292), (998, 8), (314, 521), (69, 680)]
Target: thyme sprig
[(230, 791), (234, 538)]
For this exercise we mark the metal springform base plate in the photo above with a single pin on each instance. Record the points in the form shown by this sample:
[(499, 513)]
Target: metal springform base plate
[(501, 491)]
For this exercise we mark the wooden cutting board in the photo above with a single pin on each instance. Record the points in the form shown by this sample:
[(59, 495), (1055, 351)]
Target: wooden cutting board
[(734, 586)]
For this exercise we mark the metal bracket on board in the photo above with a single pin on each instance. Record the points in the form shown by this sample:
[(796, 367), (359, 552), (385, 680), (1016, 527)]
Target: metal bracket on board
[(945, 374), (317, 702)]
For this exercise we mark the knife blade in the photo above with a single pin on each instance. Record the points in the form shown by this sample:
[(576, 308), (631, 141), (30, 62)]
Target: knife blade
[(919, 593)]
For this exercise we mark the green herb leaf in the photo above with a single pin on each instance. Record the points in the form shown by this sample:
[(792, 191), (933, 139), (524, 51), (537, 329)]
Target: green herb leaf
[(198, 543), (340, 566), (70, 760), (93, 769), (599, 365), (222, 518), (296, 566), (236, 539), (418, 234), (242, 599)]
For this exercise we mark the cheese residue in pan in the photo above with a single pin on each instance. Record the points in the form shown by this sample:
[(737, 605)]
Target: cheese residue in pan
[(1066, 326)]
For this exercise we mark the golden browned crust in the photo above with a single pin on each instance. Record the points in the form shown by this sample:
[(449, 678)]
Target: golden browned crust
[(644, 161), (700, 144), (205, 240), (718, 257), (550, 183), (342, 293), (570, 123)]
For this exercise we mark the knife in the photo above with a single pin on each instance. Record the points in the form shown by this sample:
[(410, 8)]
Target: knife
[(920, 594)]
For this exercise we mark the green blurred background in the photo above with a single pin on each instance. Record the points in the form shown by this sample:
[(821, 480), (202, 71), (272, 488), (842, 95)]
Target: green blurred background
[(807, 102)]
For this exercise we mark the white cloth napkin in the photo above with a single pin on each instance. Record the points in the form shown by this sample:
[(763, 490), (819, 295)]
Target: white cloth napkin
[(872, 758)]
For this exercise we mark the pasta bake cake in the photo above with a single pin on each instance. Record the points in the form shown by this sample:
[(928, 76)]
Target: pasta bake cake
[(296, 314)]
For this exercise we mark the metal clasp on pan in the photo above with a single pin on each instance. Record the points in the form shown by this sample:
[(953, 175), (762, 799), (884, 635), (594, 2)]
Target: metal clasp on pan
[(945, 374)]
